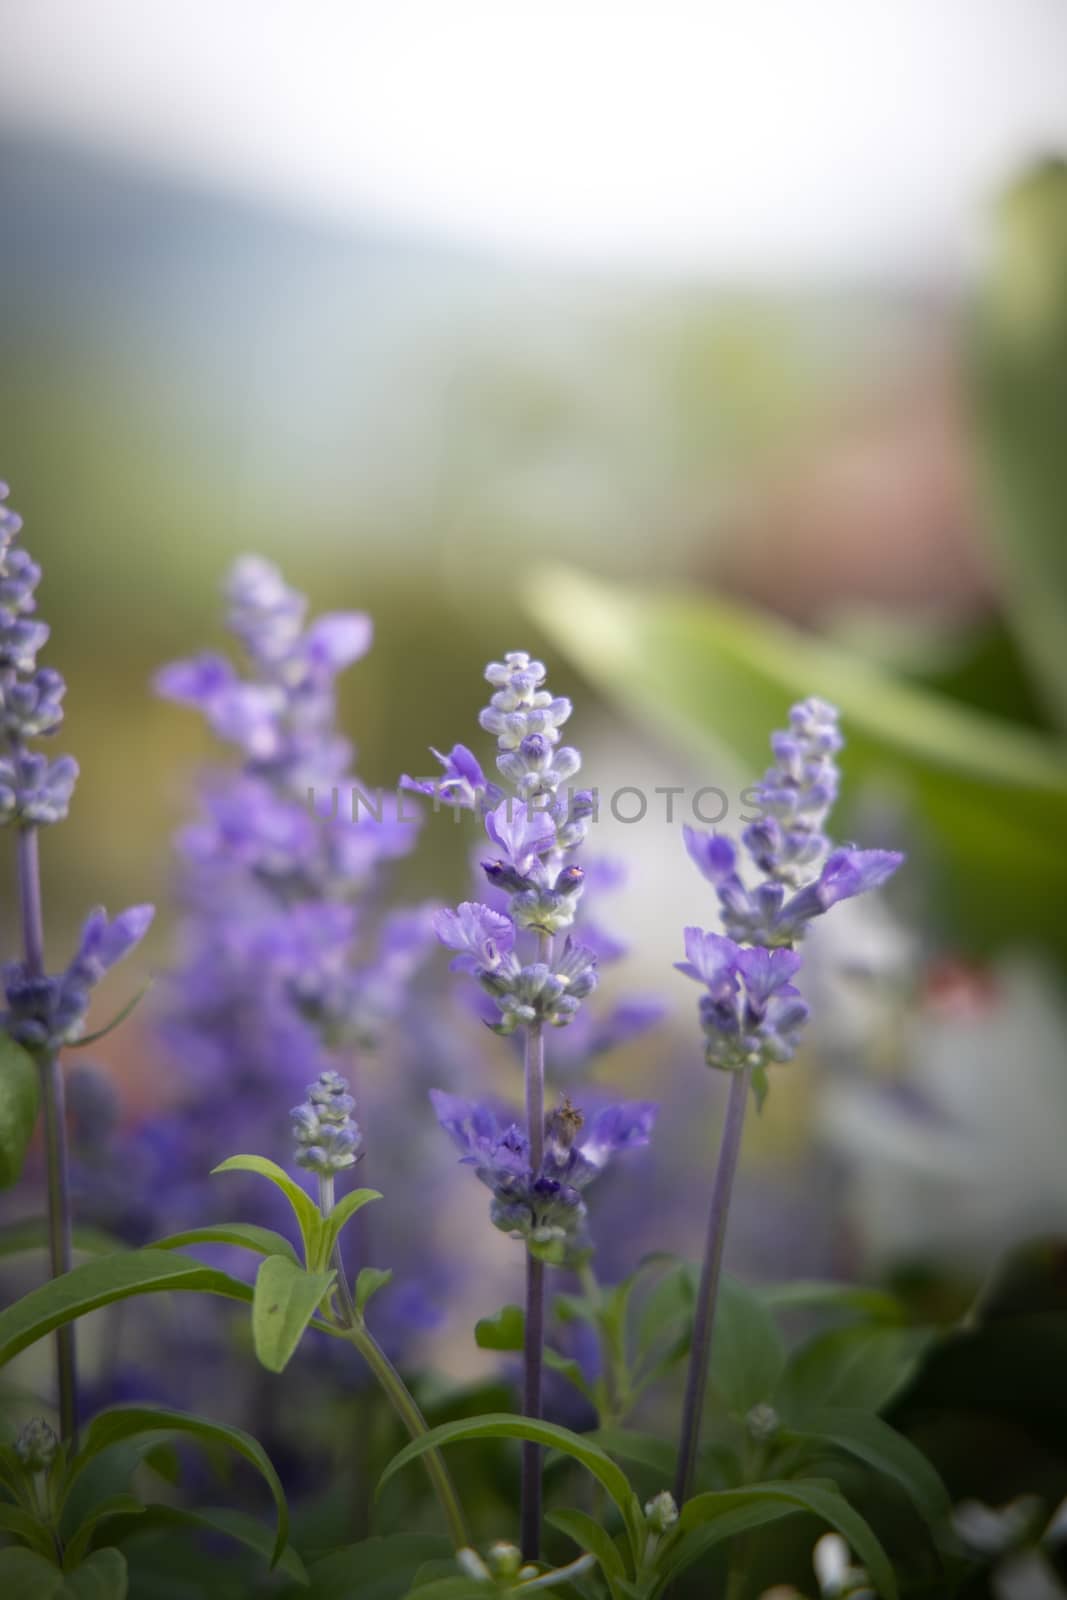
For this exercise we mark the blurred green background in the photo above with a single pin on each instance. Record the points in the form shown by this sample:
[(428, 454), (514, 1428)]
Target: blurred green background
[(703, 481)]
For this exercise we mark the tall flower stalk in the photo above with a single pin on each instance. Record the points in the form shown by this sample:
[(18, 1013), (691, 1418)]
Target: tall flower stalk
[(751, 1013), (537, 1174), (329, 1141), (44, 1012)]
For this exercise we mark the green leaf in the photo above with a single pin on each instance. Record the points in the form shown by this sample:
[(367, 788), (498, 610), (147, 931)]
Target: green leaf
[(25, 1574), (376, 1569), (304, 1208), (991, 797), (31, 1233), (285, 1300), (643, 1449), (694, 1545), (809, 1495), (748, 1353), (246, 1235), (345, 1209), (369, 1281), (31, 1530), (100, 1282), (236, 1525), (877, 1305), (20, 1087), (873, 1441), (505, 1331), (589, 1535), (505, 1426), (121, 1423), (859, 1367), (117, 1505), (1018, 377)]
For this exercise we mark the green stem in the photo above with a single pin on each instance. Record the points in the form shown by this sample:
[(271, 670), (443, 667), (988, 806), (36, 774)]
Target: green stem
[(534, 1335), (55, 1133), (393, 1386)]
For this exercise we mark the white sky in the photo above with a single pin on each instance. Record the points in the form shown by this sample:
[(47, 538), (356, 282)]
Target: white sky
[(765, 137)]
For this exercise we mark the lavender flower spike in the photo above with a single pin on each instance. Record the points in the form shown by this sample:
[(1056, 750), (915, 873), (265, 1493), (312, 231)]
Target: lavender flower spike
[(45, 1012), (800, 874), (328, 1139), (751, 1013)]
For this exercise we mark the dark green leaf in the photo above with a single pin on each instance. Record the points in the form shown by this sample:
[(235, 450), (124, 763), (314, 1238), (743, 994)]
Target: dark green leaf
[(504, 1426), (20, 1087), (589, 1535), (369, 1281), (376, 1569), (873, 1441), (820, 1500), (859, 1367), (31, 1530), (236, 1525), (285, 1300), (98, 1283), (748, 1352), (693, 1546), (129, 1422), (118, 1505), (643, 1449), (26, 1576), (246, 1235)]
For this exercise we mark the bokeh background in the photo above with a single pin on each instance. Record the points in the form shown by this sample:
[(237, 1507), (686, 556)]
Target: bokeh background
[(716, 352)]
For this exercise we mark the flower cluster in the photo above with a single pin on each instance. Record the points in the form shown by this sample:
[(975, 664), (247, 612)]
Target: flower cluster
[(544, 1207), (287, 963), (533, 830), (800, 874), (33, 790), (752, 1014), (328, 1138), (45, 1013)]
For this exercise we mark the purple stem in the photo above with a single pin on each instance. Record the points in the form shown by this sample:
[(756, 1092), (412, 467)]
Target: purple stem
[(55, 1132), (534, 1336), (703, 1322)]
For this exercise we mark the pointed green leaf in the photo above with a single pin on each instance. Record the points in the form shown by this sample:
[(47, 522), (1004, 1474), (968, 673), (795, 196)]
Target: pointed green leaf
[(380, 1568), (101, 1577), (235, 1525), (504, 1426), (20, 1086), (304, 1208), (694, 1545), (859, 1367), (130, 1422), (589, 1535), (873, 1441), (345, 1208), (370, 1280), (246, 1235), (100, 1282), (31, 1530), (810, 1495), (643, 1449), (285, 1300), (117, 1505)]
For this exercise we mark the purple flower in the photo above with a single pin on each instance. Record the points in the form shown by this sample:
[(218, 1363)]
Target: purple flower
[(788, 845), (521, 833), (46, 1013), (464, 783), (481, 936), (751, 1014), (545, 1208)]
